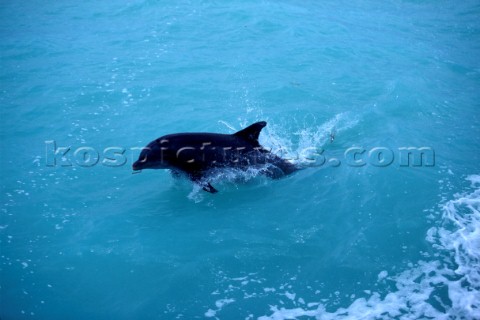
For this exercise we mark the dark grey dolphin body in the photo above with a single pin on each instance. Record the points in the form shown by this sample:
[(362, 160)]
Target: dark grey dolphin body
[(197, 153)]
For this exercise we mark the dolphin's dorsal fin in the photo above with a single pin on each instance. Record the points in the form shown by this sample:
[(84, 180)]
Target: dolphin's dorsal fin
[(251, 132)]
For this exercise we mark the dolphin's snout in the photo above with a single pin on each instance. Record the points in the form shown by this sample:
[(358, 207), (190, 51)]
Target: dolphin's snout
[(137, 166)]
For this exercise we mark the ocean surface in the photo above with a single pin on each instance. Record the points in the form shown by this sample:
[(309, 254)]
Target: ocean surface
[(362, 233)]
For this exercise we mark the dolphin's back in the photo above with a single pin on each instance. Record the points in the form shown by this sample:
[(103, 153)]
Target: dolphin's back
[(199, 139)]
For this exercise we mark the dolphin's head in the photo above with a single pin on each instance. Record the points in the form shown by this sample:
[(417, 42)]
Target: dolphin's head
[(153, 156)]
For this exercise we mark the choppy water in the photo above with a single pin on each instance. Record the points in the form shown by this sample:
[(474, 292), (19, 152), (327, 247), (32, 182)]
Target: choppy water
[(329, 242)]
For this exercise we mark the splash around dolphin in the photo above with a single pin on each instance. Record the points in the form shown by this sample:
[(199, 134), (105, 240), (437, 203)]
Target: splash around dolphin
[(196, 154)]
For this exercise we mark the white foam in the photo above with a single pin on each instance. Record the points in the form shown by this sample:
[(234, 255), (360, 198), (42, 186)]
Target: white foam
[(221, 176), (416, 297), (311, 139), (210, 313), (219, 304), (289, 295), (382, 275)]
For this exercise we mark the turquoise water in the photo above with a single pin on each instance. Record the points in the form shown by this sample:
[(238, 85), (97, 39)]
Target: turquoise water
[(328, 242)]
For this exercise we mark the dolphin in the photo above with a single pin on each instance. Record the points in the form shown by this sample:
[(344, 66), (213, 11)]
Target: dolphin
[(196, 154)]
